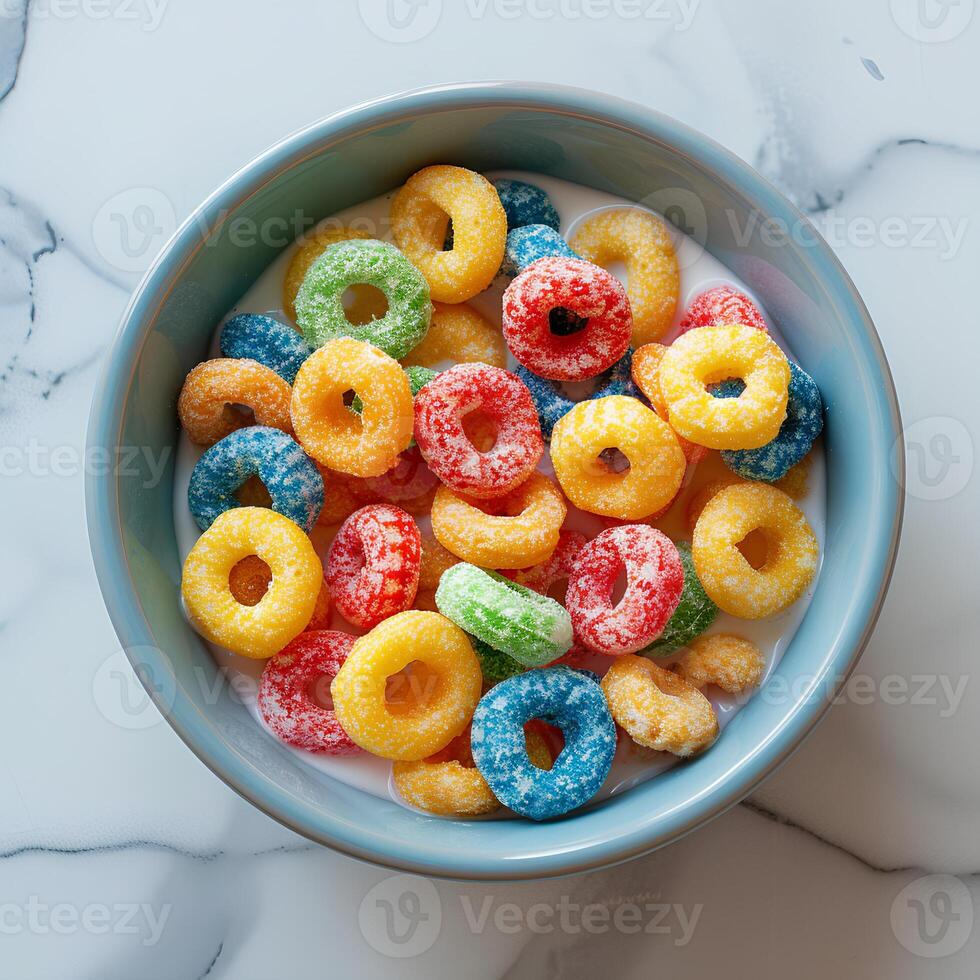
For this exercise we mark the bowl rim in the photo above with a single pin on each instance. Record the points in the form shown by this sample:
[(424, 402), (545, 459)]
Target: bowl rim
[(106, 537)]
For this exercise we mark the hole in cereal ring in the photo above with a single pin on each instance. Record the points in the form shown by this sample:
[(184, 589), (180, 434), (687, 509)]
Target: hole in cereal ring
[(614, 460), (754, 548), (349, 396), (551, 735), (564, 323), (252, 493), (480, 429), (238, 415), (411, 689), (249, 580), (363, 303), (619, 587), (558, 590), (318, 691)]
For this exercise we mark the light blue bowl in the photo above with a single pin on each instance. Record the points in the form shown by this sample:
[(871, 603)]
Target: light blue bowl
[(579, 136)]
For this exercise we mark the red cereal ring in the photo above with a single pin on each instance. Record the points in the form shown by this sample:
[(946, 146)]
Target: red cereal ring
[(654, 580), (372, 568), (720, 305), (408, 479), (543, 576), (586, 290), (290, 682), (440, 409)]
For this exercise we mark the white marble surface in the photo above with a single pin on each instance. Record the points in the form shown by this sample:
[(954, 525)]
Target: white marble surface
[(121, 855)]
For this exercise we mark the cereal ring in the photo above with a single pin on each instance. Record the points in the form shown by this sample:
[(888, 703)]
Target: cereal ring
[(791, 550), (339, 499), (654, 581), (698, 500), (710, 354), (291, 478), (803, 423), (459, 335), (440, 408), (531, 628), (208, 400), (727, 661), (695, 611), (286, 699), (435, 560), (529, 243), (319, 303), (410, 479), (641, 241), (795, 482), (373, 564), (496, 665), (418, 378), (368, 303), (543, 576), (449, 783), (586, 291), (250, 578), (552, 403), (332, 434), (420, 214), (525, 204), (720, 305), (432, 706), (520, 529), (262, 339), (261, 630), (657, 708), (563, 697), (656, 463)]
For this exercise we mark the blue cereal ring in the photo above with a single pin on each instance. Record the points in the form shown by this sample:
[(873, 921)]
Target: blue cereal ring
[(529, 243), (803, 423), (526, 204), (560, 696), (291, 477), (551, 402), (267, 341)]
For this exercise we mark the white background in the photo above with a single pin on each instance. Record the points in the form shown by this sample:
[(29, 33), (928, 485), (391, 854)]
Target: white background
[(122, 856)]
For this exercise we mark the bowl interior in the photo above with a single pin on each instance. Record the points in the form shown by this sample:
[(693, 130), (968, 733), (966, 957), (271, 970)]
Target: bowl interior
[(581, 137)]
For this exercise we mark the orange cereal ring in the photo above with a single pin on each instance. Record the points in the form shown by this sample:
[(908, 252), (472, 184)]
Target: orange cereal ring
[(796, 481), (727, 661), (261, 630), (211, 391), (656, 463), (641, 241), (435, 560), (421, 715), (250, 580), (515, 531), (791, 549), (710, 354), (420, 214), (658, 708), (449, 782), (364, 444), (458, 335), (340, 499), (367, 303)]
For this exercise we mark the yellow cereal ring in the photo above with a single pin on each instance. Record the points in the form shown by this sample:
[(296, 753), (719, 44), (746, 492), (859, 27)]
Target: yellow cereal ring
[(364, 444), (515, 531), (261, 630), (367, 303), (699, 499), (656, 462), (458, 335), (658, 708), (453, 787), (211, 389), (421, 715), (640, 240), (435, 560), (420, 215), (727, 661), (791, 549), (249, 581), (709, 354)]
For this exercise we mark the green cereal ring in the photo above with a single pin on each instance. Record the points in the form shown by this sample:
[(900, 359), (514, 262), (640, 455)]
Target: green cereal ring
[(515, 620), (694, 613), (496, 666), (319, 302)]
